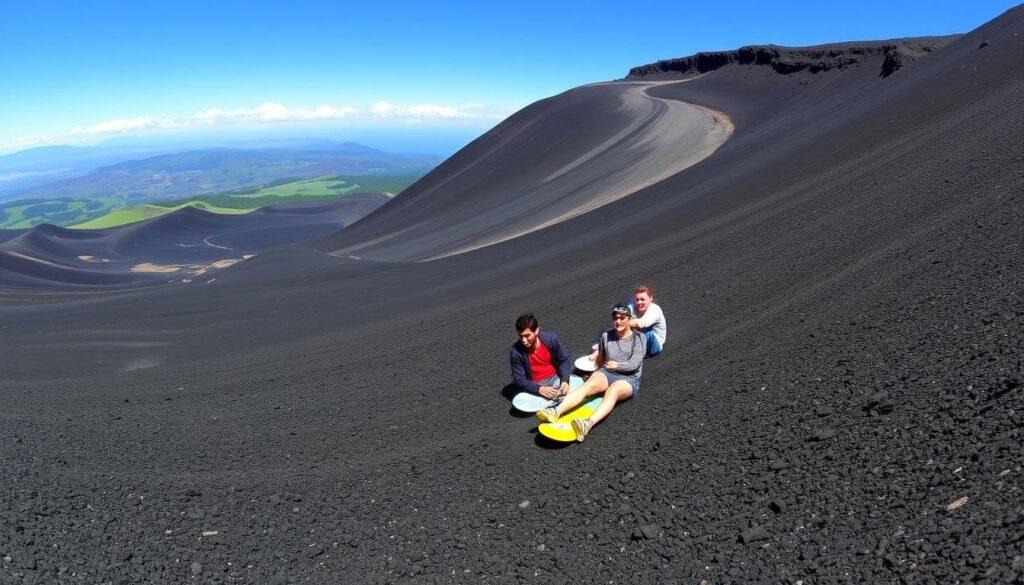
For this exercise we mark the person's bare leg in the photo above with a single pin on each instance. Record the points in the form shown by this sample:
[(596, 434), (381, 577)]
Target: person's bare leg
[(596, 384), (618, 391)]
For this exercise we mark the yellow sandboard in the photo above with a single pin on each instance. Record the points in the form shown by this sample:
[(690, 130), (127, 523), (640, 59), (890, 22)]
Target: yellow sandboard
[(561, 430)]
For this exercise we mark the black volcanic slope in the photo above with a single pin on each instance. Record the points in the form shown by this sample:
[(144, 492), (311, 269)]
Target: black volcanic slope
[(839, 400), (170, 247), (552, 161)]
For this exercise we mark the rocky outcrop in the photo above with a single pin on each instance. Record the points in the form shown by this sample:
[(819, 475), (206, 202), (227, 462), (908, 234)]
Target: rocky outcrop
[(786, 60)]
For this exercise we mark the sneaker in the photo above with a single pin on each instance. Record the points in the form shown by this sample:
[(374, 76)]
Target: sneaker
[(582, 427), (548, 415)]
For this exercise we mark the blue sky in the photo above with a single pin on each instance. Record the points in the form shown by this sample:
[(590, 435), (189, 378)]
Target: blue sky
[(78, 72)]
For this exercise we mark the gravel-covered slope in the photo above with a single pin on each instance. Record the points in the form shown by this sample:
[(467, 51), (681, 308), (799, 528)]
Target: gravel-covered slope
[(839, 400)]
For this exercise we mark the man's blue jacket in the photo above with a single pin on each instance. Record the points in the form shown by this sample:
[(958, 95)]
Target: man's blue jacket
[(521, 362)]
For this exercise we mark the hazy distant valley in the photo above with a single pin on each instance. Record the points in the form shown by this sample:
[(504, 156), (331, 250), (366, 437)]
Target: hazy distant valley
[(221, 180)]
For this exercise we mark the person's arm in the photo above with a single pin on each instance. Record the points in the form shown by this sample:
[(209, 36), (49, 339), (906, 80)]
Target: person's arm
[(637, 357), (601, 351), (519, 377), (562, 362), (650, 317)]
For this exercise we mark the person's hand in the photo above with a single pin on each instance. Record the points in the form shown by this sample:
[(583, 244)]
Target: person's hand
[(549, 392), (593, 355), (634, 323), (611, 365), (565, 389)]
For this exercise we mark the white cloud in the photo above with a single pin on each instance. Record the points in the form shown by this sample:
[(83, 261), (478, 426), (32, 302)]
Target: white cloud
[(474, 111), (117, 126), (273, 112), (267, 113)]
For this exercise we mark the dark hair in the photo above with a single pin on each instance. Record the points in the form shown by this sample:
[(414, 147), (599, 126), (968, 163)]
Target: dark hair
[(645, 288), (526, 321)]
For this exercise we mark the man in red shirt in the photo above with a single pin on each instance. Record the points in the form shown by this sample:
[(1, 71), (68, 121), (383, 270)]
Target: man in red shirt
[(539, 362)]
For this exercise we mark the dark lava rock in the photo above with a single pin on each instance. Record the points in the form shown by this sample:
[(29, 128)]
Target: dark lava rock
[(1006, 386), (876, 399), (645, 532), (777, 506), (777, 464), (885, 408), (823, 434), (754, 534), (976, 553), (878, 404)]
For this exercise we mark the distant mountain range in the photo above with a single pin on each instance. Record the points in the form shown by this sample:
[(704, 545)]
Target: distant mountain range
[(29, 168), (148, 172)]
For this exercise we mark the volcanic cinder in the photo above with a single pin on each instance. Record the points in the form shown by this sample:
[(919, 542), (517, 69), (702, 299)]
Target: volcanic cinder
[(838, 250)]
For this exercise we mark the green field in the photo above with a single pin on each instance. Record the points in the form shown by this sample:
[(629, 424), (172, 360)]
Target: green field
[(246, 200), (26, 214), (110, 211), (329, 185), (148, 211), (318, 187)]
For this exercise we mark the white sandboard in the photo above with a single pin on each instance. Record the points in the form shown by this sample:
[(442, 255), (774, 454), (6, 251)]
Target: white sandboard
[(530, 402), (585, 364)]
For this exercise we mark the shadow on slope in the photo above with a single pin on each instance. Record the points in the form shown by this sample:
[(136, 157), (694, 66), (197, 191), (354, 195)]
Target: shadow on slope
[(176, 246)]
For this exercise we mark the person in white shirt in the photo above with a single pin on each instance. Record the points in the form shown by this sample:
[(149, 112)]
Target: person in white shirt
[(648, 319)]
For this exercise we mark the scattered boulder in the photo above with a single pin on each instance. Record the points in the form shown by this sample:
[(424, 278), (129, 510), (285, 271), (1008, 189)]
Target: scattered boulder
[(876, 399), (957, 504), (645, 532), (878, 403), (823, 434), (754, 534), (976, 554)]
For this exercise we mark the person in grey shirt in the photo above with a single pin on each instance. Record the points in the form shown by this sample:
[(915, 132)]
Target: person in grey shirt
[(620, 362)]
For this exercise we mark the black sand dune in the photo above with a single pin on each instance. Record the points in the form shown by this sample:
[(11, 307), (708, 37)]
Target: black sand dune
[(174, 246), (554, 160), (9, 234), (840, 398)]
